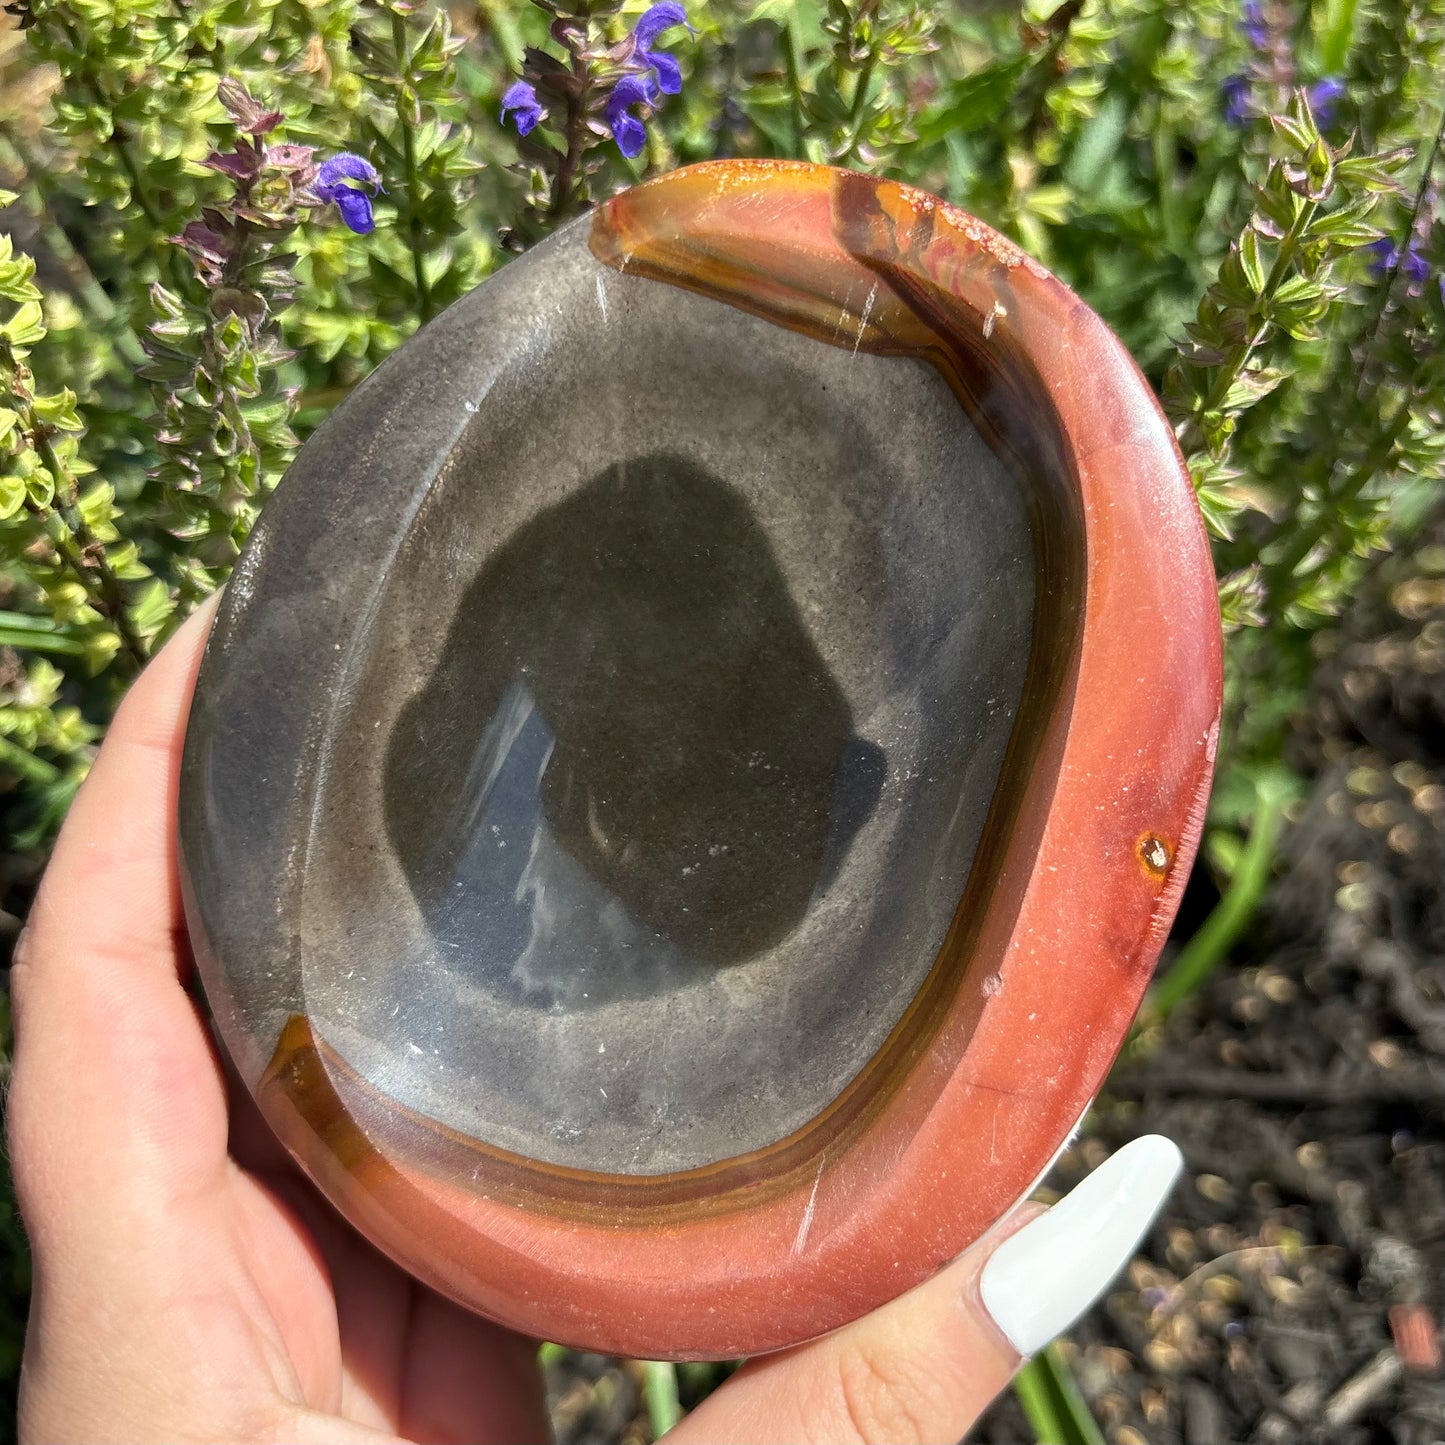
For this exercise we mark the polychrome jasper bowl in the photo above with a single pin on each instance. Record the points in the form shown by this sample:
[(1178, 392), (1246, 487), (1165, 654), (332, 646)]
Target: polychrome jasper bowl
[(695, 766)]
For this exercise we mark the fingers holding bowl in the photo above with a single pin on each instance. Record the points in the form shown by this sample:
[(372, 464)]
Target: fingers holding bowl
[(925, 1367), (116, 1095)]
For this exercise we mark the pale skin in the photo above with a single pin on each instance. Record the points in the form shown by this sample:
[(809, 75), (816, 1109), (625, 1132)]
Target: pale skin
[(190, 1285)]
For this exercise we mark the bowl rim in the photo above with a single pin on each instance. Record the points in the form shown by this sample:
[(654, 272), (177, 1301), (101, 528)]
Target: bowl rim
[(1088, 881)]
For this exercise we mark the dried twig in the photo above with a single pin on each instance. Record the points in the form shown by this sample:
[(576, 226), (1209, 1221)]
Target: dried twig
[(1361, 1391), (1423, 1087)]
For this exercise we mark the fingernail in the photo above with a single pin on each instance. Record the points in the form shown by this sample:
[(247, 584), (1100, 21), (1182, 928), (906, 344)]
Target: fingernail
[(1040, 1280)]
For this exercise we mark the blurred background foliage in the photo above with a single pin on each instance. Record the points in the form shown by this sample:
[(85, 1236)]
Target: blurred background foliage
[(1249, 194)]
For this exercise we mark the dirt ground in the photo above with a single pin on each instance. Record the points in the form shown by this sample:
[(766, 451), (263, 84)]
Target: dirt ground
[(1292, 1290)]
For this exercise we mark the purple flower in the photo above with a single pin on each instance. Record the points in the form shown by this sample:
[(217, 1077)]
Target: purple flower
[(1386, 256), (654, 21), (1235, 95), (1382, 255), (627, 130), (1254, 25), (353, 201), (1324, 96), (1414, 265), (520, 100)]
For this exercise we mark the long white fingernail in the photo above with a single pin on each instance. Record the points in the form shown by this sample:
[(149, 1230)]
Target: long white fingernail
[(1040, 1280)]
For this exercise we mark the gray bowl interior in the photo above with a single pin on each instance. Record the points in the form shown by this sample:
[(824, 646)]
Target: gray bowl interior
[(601, 725)]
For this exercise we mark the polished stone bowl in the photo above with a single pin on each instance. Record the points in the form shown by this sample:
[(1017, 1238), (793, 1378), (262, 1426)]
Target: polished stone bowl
[(697, 761)]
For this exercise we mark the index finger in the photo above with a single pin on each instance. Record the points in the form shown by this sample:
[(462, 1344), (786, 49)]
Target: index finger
[(112, 884), (114, 1078)]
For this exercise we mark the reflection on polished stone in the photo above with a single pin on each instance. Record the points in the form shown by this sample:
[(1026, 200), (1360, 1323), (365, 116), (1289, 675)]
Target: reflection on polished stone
[(631, 762)]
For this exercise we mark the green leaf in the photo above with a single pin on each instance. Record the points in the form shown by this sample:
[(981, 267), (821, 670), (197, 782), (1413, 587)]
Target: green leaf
[(26, 325), (1097, 146), (1051, 1399), (1220, 513), (1241, 599), (1051, 204), (101, 646), (40, 487), (1249, 259), (1249, 386), (1298, 290), (151, 608), (1348, 235), (1336, 34), (1276, 201), (97, 505), (1294, 131), (828, 102), (12, 495), (58, 410), (1375, 173), (973, 102), (15, 275)]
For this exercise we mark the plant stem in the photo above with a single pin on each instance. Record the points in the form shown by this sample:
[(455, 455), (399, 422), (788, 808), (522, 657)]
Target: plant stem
[(1044, 70), (25, 763), (1231, 369), (1359, 393), (137, 184), (660, 1389), (576, 131), (1339, 32), (90, 291), (496, 18), (1280, 574), (1051, 1399), (792, 50), (1166, 165), (82, 552), (1387, 286), (236, 265), (1228, 920), (405, 122), (860, 101), (38, 634)]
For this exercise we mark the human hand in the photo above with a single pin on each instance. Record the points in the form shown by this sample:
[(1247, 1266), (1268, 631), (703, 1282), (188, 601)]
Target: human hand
[(190, 1285)]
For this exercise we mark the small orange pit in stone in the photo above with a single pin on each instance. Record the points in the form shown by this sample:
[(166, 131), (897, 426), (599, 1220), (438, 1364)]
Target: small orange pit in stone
[(1155, 853)]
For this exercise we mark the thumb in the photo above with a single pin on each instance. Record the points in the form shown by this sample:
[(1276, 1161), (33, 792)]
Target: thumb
[(925, 1367)]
